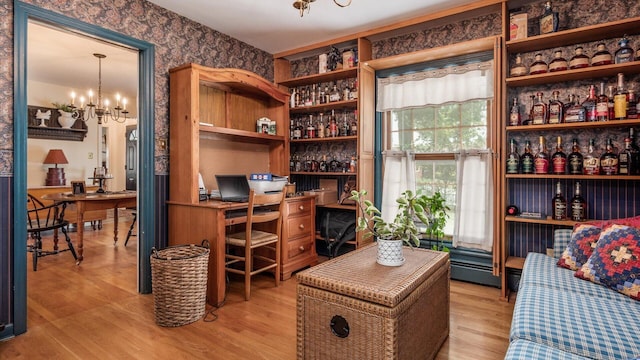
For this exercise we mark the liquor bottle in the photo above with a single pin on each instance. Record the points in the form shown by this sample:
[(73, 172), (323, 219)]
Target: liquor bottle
[(353, 165), (632, 105), (612, 114), (559, 204), (556, 109), (354, 124), (549, 20), (589, 104), (297, 131), (624, 54), (532, 101), (602, 105), (292, 99), (541, 161), (578, 205), (327, 94), (308, 99), (322, 95), (518, 69), (333, 125), (575, 113), (575, 159), (334, 96), (634, 168), (559, 159), (321, 131), (579, 59), (334, 165), (624, 158), (346, 127), (558, 63), (602, 56), (354, 90), (540, 112), (315, 164), (327, 128), (345, 91), (514, 113), (311, 129), (323, 166), (609, 160), (513, 159), (527, 159), (620, 100), (538, 66), (591, 165)]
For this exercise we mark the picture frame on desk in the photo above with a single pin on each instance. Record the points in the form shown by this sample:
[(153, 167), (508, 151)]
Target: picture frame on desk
[(78, 187)]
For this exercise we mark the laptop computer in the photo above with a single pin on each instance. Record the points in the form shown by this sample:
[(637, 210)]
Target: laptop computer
[(233, 188)]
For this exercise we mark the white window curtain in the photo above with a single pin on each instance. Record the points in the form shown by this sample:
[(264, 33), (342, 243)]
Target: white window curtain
[(399, 175), (451, 84), (473, 226)]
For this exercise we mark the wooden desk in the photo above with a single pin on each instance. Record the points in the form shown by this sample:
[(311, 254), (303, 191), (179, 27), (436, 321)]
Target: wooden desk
[(94, 201)]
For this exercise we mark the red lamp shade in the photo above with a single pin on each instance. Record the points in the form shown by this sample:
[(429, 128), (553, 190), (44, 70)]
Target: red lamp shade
[(55, 176)]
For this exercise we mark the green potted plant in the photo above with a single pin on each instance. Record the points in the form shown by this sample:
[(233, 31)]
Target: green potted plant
[(437, 209), (403, 229)]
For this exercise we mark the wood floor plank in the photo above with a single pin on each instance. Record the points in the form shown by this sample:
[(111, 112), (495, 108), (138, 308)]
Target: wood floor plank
[(93, 311)]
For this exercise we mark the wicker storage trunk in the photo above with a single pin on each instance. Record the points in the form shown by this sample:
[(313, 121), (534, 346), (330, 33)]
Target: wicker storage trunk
[(353, 308)]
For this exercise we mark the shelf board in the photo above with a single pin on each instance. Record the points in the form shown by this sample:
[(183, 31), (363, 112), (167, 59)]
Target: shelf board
[(240, 135), (574, 74), (348, 104), (546, 221), (337, 138), (575, 36), (320, 78), (514, 262), (598, 124), (322, 173), (575, 177), (56, 133)]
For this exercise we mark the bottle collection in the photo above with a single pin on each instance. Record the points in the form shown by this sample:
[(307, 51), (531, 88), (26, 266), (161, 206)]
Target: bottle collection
[(323, 93), (576, 210), (611, 161), (321, 126), (601, 56), (619, 103), (336, 163)]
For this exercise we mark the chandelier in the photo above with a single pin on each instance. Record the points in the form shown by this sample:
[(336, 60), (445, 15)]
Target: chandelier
[(100, 109), (303, 5)]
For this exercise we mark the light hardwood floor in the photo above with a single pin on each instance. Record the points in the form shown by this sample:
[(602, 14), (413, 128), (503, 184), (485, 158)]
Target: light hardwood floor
[(93, 311)]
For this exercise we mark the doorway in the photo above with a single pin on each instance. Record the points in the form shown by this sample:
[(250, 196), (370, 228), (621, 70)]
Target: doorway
[(131, 158), (23, 13)]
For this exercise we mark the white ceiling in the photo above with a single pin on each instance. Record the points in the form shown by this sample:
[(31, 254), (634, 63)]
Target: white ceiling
[(59, 57)]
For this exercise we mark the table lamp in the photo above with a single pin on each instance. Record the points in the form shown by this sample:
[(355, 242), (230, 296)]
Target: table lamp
[(55, 176)]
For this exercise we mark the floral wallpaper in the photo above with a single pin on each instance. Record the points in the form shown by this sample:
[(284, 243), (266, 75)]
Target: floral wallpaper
[(177, 41)]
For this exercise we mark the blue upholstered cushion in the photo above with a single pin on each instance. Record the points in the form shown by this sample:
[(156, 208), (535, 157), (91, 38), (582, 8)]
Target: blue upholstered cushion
[(561, 238), (583, 240), (528, 350), (557, 310)]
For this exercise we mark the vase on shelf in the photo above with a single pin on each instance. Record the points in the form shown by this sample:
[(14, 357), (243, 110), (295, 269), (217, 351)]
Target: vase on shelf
[(66, 119)]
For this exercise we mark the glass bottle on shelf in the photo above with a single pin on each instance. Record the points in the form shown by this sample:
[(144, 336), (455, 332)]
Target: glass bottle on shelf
[(532, 101), (513, 159), (353, 165), (320, 132), (602, 105), (354, 124), (334, 164), (514, 113), (327, 94), (311, 129), (354, 90), (346, 127), (321, 95), (579, 59), (559, 159), (323, 166), (538, 66), (540, 113), (308, 99), (558, 63), (559, 204), (589, 104), (297, 131), (634, 169), (575, 159), (591, 165), (334, 96), (541, 161), (297, 163), (549, 20), (578, 205), (315, 164), (575, 112), (612, 114), (527, 159), (518, 69), (624, 54), (624, 158), (620, 99), (609, 160), (556, 109), (632, 105), (346, 91), (602, 56), (292, 99), (333, 125)]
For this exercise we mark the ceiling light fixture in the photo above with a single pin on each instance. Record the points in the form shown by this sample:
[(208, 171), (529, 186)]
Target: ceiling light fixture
[(100, 109), (303, 5)]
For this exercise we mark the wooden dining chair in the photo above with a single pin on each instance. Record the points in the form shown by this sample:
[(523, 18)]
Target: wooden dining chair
[(257, 249), (40, 219)]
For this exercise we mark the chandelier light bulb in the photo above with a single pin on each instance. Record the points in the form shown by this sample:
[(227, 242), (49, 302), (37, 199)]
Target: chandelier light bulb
[(73, 97)]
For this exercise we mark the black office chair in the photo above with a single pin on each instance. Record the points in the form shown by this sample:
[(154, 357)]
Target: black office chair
[(133, 225), (41, 218)]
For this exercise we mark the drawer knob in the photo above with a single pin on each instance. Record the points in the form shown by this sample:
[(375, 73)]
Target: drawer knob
[(301, 248), (301, 226), (301, 207)]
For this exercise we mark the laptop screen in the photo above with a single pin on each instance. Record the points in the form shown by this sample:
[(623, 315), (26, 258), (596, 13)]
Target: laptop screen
[(233, 187)]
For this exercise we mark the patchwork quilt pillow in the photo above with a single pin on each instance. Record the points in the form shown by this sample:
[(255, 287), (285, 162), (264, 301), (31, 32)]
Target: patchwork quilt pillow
[(583, 240), (615, 262)]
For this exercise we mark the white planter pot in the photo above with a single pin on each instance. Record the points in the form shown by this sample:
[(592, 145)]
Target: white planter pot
[(66, 119), (390, 252)]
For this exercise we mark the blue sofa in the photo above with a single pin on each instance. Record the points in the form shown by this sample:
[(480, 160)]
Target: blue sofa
[(559, 316)]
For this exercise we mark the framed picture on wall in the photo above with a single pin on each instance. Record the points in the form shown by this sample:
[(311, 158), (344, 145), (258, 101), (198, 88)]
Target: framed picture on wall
[(78, 187)]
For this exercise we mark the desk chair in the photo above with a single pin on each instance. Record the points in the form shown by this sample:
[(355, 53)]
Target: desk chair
[(41, 218), (253, 246), (133, 225)]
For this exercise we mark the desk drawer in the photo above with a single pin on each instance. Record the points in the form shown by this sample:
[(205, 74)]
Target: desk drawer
[(299, 226), (300, 247), (298, 207)]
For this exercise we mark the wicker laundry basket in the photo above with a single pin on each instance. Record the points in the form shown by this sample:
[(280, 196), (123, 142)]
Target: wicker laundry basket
[(179, 283)]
